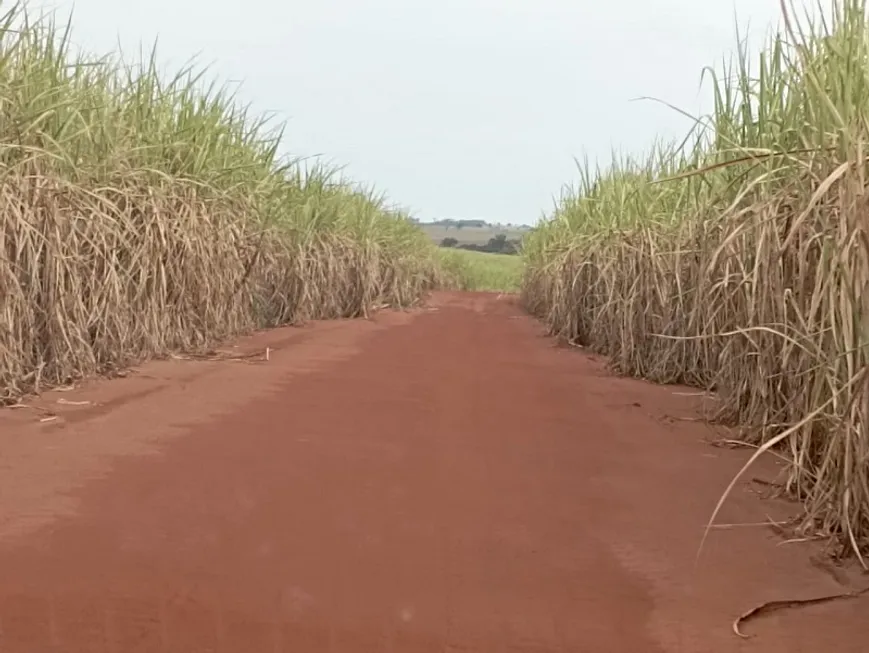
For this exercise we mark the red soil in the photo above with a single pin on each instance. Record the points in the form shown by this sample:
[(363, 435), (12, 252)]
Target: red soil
[(442, 480)]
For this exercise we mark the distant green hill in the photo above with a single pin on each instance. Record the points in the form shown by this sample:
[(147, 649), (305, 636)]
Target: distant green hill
[(471, 233)]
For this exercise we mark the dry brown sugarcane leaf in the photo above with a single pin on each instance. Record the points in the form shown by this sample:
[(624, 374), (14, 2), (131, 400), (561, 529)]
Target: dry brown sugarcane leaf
[(771, 606)]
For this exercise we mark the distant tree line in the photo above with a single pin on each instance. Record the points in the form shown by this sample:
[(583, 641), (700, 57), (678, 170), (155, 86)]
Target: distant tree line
[(458, 224), (500, 244)]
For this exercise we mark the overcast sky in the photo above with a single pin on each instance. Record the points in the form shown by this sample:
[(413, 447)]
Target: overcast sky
[(455, 108)]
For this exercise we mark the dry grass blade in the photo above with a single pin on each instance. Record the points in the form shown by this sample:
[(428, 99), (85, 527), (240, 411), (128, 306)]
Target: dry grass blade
[(772, 606)]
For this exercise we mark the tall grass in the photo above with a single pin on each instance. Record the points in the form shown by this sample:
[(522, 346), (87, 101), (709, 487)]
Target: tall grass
[(142, 215), (739, 260)]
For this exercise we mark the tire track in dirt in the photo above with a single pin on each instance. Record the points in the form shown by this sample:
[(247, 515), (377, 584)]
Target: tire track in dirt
[(443, 480)]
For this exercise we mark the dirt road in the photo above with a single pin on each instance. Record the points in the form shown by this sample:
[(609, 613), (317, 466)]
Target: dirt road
[(441, 480)]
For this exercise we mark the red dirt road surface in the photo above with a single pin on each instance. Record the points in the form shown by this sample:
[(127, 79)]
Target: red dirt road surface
[(440, 480)]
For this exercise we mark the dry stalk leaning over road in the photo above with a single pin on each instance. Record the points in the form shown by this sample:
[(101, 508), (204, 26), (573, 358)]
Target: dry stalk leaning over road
[(142, 216), (740, 261)]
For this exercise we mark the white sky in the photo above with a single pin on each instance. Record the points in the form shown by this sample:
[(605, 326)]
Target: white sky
[(454, 108)]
